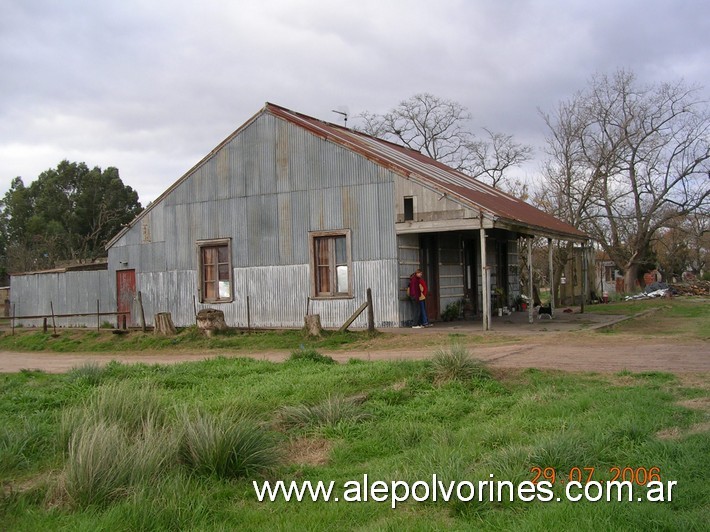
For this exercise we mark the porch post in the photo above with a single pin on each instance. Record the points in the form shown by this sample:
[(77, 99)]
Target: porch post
[(552, 276), (485, 286), (585, 275), (531, 301)]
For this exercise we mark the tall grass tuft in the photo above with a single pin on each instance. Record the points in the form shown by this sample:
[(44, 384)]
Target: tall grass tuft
[(310, 355), (329, 412), (103, 463), (90, 373), (456, 364), (226, 447), (19, 446), (131, 408)]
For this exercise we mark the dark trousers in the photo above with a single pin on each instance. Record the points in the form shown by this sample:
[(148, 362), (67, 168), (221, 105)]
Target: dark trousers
[(420, 316)]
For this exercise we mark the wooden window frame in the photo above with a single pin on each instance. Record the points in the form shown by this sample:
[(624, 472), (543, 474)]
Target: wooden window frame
[(214, 243), (409, 208), (313, 237)]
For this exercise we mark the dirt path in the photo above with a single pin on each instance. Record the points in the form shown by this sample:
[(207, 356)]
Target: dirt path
[(566, 353)]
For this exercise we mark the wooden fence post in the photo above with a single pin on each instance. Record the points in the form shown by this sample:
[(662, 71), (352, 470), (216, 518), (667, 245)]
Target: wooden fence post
[(54, 324), (140, 304), (370, 312)]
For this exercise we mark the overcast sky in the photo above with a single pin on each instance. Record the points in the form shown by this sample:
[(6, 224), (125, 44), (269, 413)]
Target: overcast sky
[(150, 87)]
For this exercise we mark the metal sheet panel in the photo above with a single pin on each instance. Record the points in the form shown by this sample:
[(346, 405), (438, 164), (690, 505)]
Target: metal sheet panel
[(277, 296), (68, 292)]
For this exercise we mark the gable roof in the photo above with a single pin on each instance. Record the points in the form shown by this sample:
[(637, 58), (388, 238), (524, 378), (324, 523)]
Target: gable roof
[(426, 171), (413, 165)]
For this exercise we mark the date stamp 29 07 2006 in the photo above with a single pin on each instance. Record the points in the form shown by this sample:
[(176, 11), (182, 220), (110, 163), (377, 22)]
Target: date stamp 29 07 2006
[(615, 478)]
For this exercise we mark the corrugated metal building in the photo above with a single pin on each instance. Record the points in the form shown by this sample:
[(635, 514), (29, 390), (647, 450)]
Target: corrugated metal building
[(290, 212)]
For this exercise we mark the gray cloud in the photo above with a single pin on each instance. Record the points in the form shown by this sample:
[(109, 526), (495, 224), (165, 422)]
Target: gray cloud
[(151, 87)]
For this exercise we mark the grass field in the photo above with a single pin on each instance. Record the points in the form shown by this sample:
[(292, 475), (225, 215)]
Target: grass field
[(177, 447), (682, 318)]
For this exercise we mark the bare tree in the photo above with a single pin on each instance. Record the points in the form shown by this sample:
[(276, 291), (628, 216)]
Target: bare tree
[(493, 157), (627, 159), (438, 128)]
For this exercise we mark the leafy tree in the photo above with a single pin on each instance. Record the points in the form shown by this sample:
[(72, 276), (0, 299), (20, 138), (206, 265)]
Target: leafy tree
[(438, 128), (68, 213), (684, 245), (625, 160)]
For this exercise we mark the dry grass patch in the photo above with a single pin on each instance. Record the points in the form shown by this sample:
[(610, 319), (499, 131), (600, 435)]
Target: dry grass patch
[(312, 451), (675, 433)]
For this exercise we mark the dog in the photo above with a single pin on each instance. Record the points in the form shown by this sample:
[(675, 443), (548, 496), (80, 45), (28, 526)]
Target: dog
[(544, 311)]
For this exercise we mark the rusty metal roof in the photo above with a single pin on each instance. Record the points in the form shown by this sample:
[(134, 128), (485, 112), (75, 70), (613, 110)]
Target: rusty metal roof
[(428, 172)]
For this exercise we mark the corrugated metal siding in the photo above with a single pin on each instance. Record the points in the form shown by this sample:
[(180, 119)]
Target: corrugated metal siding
[(451, 281), (277, 296), (69, 293)]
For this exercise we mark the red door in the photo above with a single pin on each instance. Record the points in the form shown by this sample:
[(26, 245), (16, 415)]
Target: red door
[(125, 294)]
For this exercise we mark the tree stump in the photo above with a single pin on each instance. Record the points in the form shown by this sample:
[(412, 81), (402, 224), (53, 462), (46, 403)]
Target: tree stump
[(312, 324), (210, 321), (164, 324)]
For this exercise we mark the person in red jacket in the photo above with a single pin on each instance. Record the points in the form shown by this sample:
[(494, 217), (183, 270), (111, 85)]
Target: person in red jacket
[(417, 291)]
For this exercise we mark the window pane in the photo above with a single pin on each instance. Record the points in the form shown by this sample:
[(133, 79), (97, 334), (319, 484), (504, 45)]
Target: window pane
[(210, 290), (224, 272), (341, 256), (342, 273), (209, 256), (224, 291), (223, 254), (323, 280), (208, 273), (322, 257)]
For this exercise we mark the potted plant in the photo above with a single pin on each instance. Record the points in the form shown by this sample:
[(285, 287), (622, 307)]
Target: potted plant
[(521, 302), (498, 294)]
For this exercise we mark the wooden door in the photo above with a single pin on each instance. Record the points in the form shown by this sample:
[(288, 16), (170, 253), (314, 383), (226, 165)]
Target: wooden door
[(125, 295), (429, 249)]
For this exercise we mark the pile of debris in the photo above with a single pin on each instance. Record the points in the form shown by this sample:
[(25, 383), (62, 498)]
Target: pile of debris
[(692, 288), (653, 290)]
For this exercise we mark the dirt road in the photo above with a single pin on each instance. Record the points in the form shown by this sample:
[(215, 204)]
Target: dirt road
[(563, 352)]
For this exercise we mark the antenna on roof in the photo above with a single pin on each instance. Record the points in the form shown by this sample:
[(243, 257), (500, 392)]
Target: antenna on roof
[(343, 113)]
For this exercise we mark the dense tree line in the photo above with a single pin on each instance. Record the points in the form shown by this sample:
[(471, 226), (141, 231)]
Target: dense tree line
[(67, 213)]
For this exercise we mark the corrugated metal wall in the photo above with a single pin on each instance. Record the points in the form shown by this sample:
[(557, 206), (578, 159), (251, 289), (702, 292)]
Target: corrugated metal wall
[(69, 293), (278, 296), (266, 189)]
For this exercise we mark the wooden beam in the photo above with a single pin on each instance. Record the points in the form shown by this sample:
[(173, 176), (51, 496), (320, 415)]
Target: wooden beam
[(531, 301), (485, 283), (552, 276), (353, 317)]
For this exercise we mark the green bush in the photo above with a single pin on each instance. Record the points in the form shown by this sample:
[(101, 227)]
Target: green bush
[(90, 373), (310, 355), (452, 311), (456, 364), (329, 412), (225, 447)]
